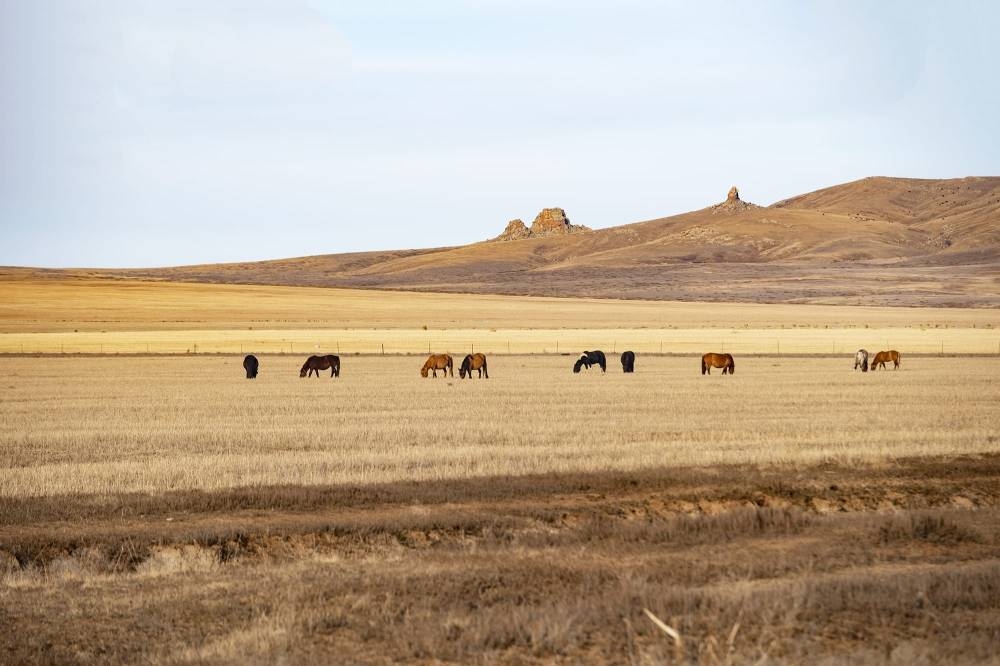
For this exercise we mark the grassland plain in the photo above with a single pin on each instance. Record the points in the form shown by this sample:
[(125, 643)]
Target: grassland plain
[(109, 316), (167, 510), (148, 424)]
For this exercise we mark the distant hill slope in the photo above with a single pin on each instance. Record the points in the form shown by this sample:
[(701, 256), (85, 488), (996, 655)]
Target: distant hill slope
[(884, 241)]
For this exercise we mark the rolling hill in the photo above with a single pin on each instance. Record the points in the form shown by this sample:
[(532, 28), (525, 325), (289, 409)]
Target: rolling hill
[(878, 241)]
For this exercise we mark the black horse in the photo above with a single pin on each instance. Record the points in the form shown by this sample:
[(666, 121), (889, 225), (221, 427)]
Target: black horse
[(628, 361), (251, 364), (589, 358)]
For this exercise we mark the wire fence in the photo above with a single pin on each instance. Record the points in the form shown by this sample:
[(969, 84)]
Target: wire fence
[(779, 342)]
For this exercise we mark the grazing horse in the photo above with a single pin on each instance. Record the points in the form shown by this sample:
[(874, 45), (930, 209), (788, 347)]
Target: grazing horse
[(251, 364), (589, 358), (861, 360), (317, 363), (724, 361), (883, 356), (628, 361), (437, 362), (473, 362)]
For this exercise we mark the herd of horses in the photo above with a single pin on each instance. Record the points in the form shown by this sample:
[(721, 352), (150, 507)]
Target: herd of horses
[(588, 359)]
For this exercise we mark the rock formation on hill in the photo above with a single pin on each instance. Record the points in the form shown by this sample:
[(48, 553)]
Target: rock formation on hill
[(549, 222), (733, 203), (515, 231)]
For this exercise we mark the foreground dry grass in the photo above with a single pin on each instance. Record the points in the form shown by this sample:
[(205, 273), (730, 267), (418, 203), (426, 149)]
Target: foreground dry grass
[(892, 564), (118, 425)]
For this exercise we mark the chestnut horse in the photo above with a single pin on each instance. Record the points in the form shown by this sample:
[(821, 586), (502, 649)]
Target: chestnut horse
[(251, 365), (473, 362), (724, 361), (317, 363), (883, 356), (437, 362)]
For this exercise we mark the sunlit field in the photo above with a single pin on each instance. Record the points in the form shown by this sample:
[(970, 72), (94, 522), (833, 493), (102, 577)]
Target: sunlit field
[(76, 316), (112, 425)]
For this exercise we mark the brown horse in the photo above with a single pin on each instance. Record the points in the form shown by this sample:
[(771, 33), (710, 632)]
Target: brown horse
[(883, 356), (437, 362), (317, 363), (473, 362), (724, 361)]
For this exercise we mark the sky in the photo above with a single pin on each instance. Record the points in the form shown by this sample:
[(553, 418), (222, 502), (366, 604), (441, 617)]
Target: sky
[(139, 133)]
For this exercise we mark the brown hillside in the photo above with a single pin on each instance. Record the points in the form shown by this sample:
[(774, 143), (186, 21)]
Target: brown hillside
[(879, 241)]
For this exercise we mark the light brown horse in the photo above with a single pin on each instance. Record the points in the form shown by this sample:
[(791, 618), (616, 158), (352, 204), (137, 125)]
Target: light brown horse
[(883, 356), (724, 361), (473, 362), (437, 362)]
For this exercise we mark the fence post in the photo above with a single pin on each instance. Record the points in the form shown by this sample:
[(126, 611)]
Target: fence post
[(383, 349)]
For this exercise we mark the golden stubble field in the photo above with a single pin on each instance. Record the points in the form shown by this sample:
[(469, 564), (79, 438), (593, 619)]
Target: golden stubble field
[(147, 424), (168, 510)]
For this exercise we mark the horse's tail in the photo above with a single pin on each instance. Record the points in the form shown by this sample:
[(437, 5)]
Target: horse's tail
[(486, 372), (732, 365), (451, 367), (704, 368)]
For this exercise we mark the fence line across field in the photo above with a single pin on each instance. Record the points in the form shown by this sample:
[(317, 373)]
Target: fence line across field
[(395, 342)]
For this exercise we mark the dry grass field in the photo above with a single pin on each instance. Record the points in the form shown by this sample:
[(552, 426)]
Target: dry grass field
[(167, 510), (107, 316), (161, 508), (117, 425)]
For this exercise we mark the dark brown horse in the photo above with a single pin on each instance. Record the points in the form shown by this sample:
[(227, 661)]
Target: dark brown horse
[(251, 365), (883, 356), (437, 362), (628, 361), (473, 362), (317, 363), (724, 361)]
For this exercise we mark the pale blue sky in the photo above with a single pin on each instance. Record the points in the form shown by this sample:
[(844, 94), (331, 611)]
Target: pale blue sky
[(143, 133)]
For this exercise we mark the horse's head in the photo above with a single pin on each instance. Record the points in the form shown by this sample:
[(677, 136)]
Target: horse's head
[(302, 372), (423, 371)]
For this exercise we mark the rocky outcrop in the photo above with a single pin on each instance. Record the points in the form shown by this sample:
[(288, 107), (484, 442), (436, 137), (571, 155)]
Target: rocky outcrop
[(549, 222), (515, 231), (733, 203)]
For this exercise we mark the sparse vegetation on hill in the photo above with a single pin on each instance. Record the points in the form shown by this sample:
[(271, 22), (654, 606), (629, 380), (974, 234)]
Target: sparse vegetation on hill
[(878, 241)]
